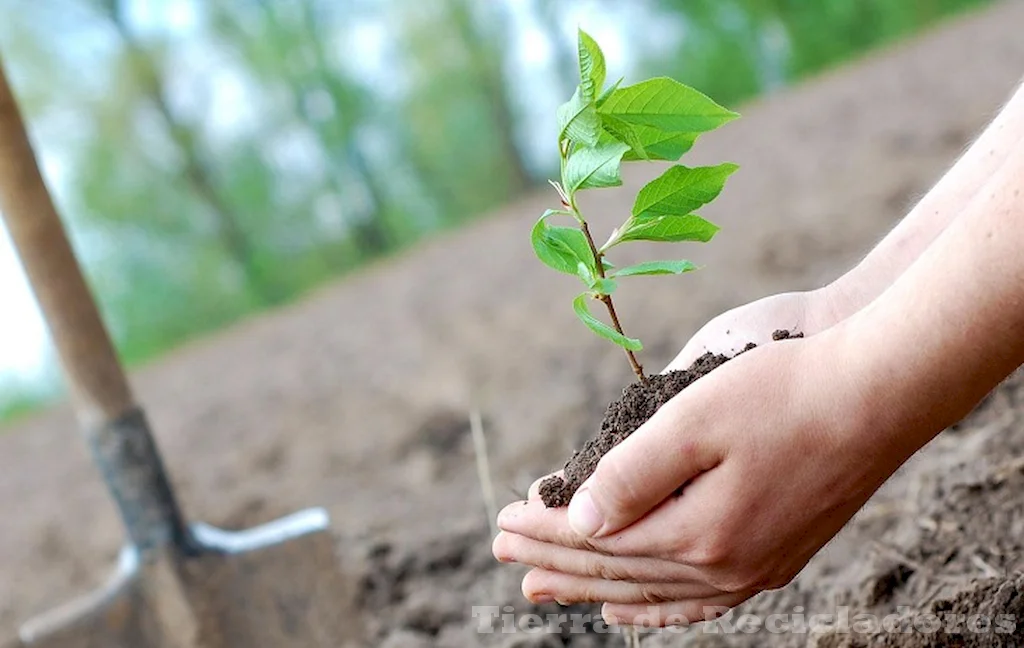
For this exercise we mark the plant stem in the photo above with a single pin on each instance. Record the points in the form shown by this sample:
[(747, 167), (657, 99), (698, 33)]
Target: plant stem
[(607, 299), (570, 203)]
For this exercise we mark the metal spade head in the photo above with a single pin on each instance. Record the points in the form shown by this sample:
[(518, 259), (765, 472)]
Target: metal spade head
[(273, 586)]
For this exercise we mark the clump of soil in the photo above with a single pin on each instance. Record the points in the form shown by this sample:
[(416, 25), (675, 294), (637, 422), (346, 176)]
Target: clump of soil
[(638, 403)]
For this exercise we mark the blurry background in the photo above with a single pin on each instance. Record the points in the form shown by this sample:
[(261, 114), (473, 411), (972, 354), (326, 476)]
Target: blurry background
[(216, 159)]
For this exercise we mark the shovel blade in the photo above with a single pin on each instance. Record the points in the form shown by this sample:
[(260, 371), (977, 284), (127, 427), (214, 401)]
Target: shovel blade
[(275, 586), (141, 605), (266, 593)]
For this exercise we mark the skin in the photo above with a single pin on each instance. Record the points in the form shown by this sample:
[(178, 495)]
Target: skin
[(777, 449), (814, 311)]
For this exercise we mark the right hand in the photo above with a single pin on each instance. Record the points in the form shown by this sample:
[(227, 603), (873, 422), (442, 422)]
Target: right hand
[(807, 312)]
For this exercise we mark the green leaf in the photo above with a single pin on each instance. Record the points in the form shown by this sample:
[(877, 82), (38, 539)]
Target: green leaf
[(578, 120), (625, 133), (669, 229), (656, 268), (667, 105), (659, 145), (597, 326), (592, 66), (605, 286), (600, 285), (594, 167), (561, 248), (586, 274), (608, 93), (680, 190)]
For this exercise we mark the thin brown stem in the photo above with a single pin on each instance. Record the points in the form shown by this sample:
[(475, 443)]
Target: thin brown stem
[(607, 301), (637, 368), (593, 249)]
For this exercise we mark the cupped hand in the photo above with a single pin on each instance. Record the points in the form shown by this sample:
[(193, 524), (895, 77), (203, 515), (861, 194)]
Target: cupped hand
[(808, 312), (774, 452)]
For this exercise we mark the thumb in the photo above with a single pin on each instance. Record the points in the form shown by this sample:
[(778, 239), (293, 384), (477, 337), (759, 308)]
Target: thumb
[(638, 474)]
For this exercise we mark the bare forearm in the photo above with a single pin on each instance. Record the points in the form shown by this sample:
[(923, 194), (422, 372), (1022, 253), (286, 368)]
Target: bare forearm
[(952, 326), (934, 213)]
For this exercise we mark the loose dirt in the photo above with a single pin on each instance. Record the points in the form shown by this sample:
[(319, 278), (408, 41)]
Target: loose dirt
[(623, 417)]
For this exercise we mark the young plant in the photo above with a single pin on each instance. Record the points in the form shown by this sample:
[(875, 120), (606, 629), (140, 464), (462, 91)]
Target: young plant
[(598, 129)]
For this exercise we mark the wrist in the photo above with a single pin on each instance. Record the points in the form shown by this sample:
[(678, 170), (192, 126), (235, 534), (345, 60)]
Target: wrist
[(832, 303), (848, 413), (891, 408)]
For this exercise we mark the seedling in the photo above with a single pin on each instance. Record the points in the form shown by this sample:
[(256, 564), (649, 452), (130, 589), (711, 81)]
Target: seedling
[(600, 128)]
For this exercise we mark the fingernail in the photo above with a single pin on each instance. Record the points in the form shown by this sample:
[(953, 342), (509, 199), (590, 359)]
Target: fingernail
[(541, 599), (584, 518)]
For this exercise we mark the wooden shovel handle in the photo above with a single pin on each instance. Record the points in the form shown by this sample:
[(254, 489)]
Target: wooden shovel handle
[(118, 433), (97, 382)]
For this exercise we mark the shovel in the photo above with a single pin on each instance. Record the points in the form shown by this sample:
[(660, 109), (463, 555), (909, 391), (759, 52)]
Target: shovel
[(175, 585)]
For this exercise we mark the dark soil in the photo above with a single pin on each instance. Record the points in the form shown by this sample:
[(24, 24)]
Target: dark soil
[(623, 417)]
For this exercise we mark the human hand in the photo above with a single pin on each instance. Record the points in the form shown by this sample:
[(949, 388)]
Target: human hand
[(807, 312), (777, 449)]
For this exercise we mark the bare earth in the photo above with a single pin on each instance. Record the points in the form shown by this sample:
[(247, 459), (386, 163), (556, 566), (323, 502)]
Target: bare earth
[(357, 398)]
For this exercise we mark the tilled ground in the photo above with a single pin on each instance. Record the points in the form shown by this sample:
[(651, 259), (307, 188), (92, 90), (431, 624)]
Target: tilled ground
[(358, 398)]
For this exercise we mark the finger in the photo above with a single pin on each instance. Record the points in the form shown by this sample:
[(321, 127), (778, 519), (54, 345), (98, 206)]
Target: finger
[(534, 492), (648, 466), (540, 584), (534, 520), (671, 614), (551, 525), (675, 532), (509, 547)]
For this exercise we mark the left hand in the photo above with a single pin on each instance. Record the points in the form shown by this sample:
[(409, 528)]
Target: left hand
[(807, 312), (777, 449)]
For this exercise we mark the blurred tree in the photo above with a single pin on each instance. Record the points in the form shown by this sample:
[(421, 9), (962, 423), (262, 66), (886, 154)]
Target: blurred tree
[(722, 49), (482, 33), (456, 103), (822, 36), (145, 68), (726, 44), (284, 45)]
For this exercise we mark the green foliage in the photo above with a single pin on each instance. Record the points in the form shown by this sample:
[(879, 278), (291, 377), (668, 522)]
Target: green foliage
[(594, 167), (737, 49), (608, 92), (592, 67), (658, 145), (655, 268), (666, 105), (666, 229), (579, 305), (598, 285), (681, 189), (561, 248), (578, 119), (655, 119)]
